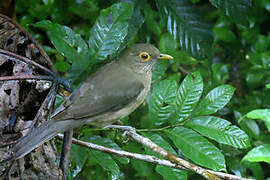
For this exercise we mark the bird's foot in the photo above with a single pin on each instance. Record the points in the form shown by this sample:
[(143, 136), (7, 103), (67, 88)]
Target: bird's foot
[(124, 128)]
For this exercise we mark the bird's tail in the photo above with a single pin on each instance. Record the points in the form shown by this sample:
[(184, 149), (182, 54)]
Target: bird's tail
[(38, 136)]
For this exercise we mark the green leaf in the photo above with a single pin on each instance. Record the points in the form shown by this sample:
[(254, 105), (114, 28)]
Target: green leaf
[(103, 159), (106, 162), (159, 70), (236, 10), (108, 143), (161, 102), (224, 34), (220, 130), (188, 95), (259, 154), (69, 44), (66, 41), (255, 168), (250, 127), (186, 25), (78, 155), (160, 142), (135, 22), (167, 43), (215, 100), (220, 72), (143, 168), (171, 173), (109, 30), (197, 148), (106, 36), (261, 114)]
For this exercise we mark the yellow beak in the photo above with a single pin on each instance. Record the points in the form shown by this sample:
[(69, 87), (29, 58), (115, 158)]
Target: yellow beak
[(165, 56)]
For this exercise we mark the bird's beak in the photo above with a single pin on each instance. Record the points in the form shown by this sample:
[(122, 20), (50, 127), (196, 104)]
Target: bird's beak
[(165, 56)]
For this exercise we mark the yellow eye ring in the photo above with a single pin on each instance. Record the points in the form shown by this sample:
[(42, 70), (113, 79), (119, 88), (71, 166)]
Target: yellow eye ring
[(144, 56)]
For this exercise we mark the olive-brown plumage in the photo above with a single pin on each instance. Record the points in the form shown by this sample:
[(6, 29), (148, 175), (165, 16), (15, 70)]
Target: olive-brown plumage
[(110, 94)]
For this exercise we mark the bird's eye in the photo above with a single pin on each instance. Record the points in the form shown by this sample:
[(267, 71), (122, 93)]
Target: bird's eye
[(144, 56)]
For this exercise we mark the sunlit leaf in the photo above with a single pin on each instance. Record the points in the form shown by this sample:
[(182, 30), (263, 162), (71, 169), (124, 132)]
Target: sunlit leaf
[(66, 41), (220, 130), (109, 31), (261, 114), (259, 154), (162, 102), (188, 96), (215, 100)]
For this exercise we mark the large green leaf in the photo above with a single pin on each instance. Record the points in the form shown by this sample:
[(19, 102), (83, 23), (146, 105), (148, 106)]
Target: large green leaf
[(220, 130), (162, 102), (197, 148), (171, 173), (237, 10), (259, 154), (134, 24), (215, 100), (261, 114), (135, 21), (66, 41), (185, 24), (109, 31), (106, 36), (188, 96)]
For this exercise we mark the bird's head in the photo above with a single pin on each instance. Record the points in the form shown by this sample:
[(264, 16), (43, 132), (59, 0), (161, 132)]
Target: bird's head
[(142, 57)]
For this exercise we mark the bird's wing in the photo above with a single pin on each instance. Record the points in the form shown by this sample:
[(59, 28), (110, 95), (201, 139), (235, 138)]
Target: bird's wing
[(110, 89)]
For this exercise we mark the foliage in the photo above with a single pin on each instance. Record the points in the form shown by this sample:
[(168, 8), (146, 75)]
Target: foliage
[(211, 105)]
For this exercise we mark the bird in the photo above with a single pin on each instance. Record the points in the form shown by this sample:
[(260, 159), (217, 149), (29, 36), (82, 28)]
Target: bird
[(108, 95)]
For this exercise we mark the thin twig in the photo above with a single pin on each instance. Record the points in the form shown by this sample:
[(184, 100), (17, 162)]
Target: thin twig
[(19, 77), (29, 36), (143, 157), (15, 57)]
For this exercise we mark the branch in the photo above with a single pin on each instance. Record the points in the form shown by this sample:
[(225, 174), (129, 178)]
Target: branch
[(65, 154), (10, 78), (147, 158), (15, 57), (208, 174), (143, 157)]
